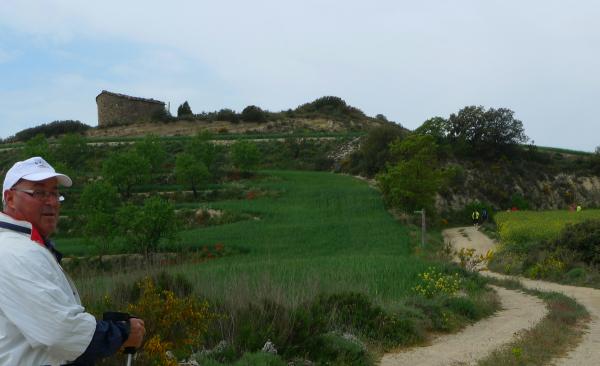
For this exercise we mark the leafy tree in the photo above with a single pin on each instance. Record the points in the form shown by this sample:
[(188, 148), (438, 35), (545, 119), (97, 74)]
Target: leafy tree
[(202, 149), (153, 150), (437, 127), (413, 182), (227, 115), (253, 113), (126, 170), (184, 110), (144, 227), (98, 203), (381, 118), (374, 152), (72, 150), (191, 171), (37, 146), (245, 156), (330, 106), (488, 132)]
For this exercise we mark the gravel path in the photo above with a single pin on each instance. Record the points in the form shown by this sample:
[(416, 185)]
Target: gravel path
[(520, 311)]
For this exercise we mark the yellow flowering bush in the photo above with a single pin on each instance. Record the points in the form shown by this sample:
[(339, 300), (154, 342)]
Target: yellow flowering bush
[(472, 262), (433, 283), (172, 323)]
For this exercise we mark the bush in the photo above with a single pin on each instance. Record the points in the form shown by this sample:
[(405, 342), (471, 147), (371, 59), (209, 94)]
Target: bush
[(582, 238), (52, 129), (184, 110), (337, 349), (227, 115), (253, 113), (330, 106)]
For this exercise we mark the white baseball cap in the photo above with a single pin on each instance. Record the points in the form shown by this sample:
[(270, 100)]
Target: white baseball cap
[(33, 169)]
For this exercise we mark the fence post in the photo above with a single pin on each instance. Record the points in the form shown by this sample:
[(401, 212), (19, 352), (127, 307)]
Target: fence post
[(423, 228)]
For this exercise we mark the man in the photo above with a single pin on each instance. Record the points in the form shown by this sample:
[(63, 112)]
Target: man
[(42, 321)]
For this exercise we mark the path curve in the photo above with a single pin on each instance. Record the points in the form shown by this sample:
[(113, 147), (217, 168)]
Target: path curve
[(587, 352), (520, 311)]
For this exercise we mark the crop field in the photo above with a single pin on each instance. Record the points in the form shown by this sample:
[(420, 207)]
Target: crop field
[(316, 232), (534, 226)]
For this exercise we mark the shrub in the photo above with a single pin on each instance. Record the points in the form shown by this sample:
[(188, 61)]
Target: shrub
[(434, 283), (52, 129), (253, 113), (584, 239), (337, 349), (227, 115), (171, 322), (184, 110)]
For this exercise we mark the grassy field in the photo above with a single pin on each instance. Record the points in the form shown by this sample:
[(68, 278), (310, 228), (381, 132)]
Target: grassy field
[(315, 236), (317, 232), (528, 226)]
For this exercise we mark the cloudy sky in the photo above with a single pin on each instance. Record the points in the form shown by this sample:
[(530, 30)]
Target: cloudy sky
[(408, 60)]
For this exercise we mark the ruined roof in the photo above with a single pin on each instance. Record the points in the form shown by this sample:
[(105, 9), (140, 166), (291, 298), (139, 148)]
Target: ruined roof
[(128, 97)]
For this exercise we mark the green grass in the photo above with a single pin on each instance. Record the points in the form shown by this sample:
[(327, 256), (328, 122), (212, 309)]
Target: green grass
[(529, 226), (322, 232)]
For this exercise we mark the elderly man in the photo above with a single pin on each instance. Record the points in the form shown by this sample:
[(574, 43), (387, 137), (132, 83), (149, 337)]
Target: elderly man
[(42, 321)]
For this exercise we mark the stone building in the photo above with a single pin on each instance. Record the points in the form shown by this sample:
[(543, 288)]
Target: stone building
[(119, 109)]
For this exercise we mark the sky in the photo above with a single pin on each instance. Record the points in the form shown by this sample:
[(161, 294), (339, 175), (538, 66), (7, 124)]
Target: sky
[(407, 60)]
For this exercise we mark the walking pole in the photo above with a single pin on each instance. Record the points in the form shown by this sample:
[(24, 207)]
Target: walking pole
[(121, 317)]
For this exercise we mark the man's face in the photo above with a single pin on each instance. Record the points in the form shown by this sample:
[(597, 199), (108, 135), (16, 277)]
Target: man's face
[(43, 214)]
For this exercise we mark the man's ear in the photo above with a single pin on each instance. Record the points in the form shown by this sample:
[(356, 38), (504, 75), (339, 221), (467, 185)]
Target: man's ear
[(8, 199)]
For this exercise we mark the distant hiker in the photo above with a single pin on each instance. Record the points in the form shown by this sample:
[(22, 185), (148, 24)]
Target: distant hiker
[(42, 321), (475, 217), (484, 215)]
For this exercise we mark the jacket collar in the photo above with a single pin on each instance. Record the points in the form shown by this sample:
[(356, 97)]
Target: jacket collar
[(26, 228)]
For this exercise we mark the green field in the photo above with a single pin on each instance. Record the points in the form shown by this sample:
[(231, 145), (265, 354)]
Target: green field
[(317, 232), (533, 226)]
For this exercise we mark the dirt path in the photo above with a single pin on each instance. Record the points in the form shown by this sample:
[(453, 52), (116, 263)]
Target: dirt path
[(520, 312), (588, 351)]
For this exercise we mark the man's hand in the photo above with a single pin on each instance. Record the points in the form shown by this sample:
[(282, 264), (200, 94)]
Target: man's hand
[(136, 333)]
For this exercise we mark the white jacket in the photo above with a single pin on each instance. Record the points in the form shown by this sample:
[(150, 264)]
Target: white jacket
[(42, 321)]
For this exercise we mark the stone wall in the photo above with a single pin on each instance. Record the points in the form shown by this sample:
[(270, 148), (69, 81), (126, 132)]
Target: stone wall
[(119, 109)]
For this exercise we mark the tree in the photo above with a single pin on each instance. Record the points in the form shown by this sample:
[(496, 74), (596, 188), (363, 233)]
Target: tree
[(184, 110), (72, 150), (191, 171), (245, 156), (37, 146), (437, 127), (488, 132), (227, 115), (144, 227), (202, 149), (374, 151), (153, 150), (412, 183), (253, 113), (126, 170), (98, 203)]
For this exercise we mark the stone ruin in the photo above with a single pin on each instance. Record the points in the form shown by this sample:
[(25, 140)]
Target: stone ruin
[(119, 109)]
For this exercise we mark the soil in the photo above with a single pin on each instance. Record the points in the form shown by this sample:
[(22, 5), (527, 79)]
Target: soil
[(520, 311)]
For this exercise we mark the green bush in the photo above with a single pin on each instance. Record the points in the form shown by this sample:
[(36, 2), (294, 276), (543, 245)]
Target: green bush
[(184, 110), (227, 115), (336, 349), (584, 239), (253, 113), (52, 129)]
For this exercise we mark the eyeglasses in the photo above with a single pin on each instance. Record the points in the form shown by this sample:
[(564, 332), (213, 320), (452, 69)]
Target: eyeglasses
[(41, 195)]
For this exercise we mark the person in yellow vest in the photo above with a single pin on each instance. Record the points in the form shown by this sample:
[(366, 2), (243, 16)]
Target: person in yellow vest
[(475, 217)]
